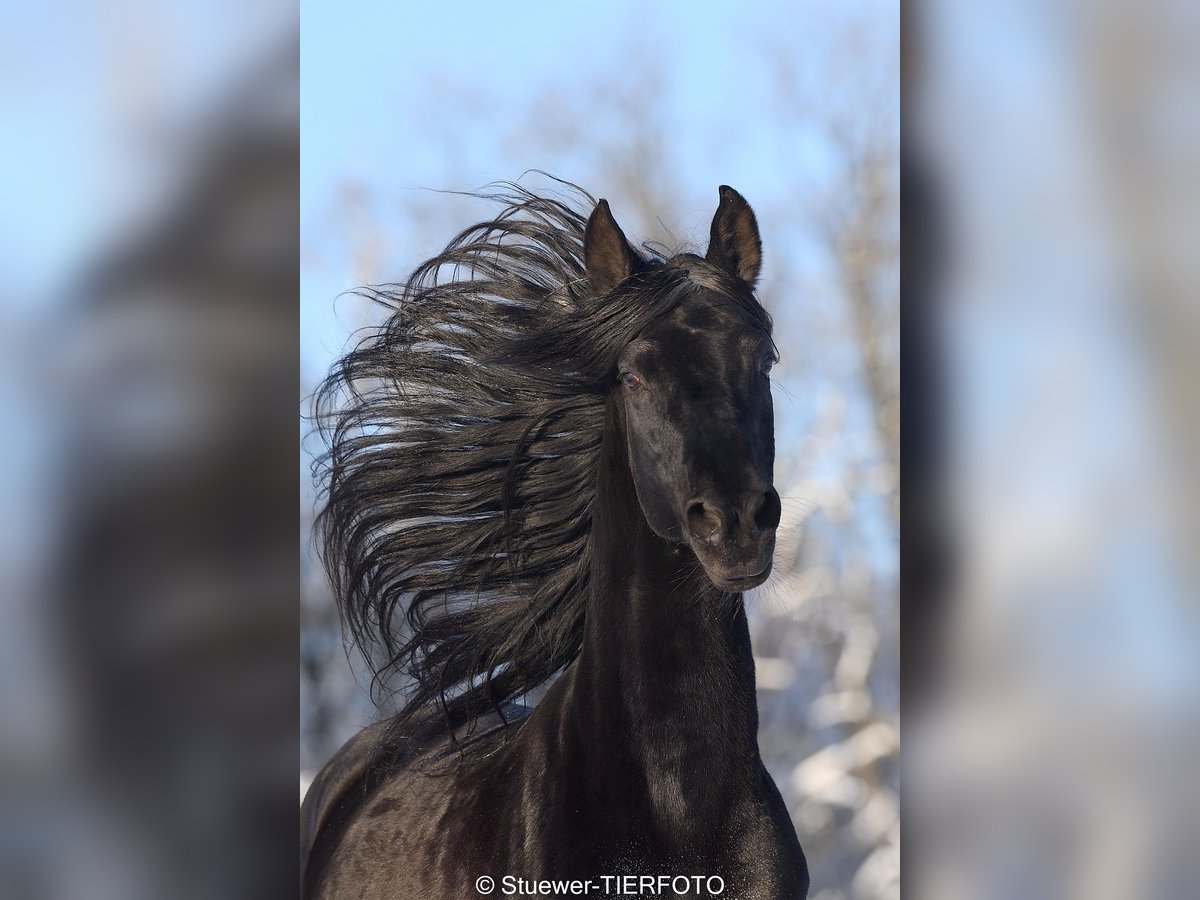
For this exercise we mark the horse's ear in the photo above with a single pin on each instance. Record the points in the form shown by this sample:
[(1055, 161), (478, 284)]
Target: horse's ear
[(734, 244), (606, 253)]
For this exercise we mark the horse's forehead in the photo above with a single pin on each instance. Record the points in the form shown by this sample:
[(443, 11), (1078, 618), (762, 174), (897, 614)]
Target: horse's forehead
[(706, 325)]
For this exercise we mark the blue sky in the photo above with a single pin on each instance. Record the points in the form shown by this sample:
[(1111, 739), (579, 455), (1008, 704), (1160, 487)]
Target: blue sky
[(368, 69), (366, 63)]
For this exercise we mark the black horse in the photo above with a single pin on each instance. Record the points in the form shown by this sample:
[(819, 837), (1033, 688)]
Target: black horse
[(555, 458)]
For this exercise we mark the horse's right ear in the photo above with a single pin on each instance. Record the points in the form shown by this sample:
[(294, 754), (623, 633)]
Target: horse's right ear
[(606, 253)]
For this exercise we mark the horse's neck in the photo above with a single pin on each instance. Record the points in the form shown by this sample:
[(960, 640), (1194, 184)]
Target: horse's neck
[(665, 679)]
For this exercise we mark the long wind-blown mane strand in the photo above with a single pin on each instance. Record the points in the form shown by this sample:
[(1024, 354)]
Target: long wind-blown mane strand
[(463, 437)]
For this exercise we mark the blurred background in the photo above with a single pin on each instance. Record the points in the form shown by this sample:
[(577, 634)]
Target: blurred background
[(653, 106), (148, 356), (1051, 313)]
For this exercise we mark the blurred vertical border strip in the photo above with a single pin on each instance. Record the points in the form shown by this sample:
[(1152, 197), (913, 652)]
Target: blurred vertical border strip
[(150, 641), (1052, 655)]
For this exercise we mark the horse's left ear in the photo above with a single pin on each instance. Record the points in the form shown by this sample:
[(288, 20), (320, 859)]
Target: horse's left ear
[(734, 244)]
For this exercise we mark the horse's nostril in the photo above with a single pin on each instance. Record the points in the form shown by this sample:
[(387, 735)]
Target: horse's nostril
[(769, 510), (702, 519)]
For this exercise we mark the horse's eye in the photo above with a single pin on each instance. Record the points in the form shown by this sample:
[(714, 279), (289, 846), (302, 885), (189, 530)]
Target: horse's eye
[(631, 381)]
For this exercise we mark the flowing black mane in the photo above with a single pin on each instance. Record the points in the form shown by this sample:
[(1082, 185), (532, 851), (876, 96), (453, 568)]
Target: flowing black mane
[(463, 438)]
